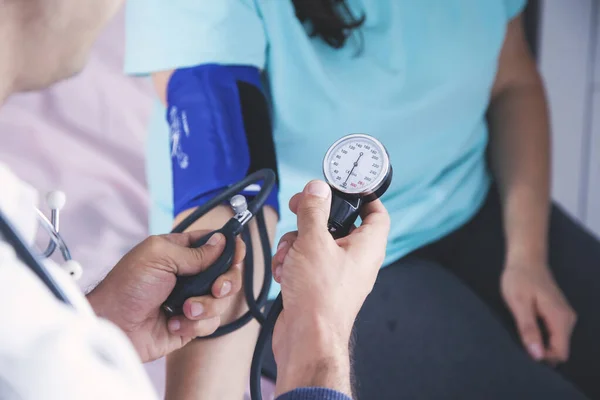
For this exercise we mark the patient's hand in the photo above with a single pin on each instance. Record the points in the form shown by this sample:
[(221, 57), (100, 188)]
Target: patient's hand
[(132, 294), (532, 294)]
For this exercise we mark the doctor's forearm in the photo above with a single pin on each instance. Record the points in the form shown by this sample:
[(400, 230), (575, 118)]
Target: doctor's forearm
[(316, 359), (520, 151)]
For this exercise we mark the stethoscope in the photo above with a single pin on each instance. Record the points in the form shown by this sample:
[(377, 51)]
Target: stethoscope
[(357, 168), (56, 201)]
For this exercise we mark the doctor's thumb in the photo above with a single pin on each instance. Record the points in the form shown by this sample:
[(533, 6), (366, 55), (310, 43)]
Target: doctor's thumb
[(191, 261), (313, 209)]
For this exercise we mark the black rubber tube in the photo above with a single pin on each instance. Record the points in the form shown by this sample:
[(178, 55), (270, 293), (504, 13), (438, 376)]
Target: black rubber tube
[(265, 175), (263, 338), (249, 278), (265, 243)]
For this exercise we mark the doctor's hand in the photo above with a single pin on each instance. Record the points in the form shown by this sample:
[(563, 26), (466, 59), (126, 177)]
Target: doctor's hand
[(324, 283), (133, 292)]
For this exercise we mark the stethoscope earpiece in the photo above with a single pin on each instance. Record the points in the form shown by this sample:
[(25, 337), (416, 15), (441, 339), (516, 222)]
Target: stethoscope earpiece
[(73, 268), (56, 200)]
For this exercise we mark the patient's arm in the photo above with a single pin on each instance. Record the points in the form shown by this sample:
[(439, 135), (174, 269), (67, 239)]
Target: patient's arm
[(217, 368)]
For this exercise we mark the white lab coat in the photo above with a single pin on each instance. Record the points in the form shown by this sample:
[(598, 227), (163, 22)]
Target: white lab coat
[(49, 350)]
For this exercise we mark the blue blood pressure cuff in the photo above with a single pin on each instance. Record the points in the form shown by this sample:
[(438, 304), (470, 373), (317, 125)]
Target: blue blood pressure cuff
[(220, 132)]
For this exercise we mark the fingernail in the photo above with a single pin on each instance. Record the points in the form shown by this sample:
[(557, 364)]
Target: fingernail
[(174, 325), (282, 245), (226, 288), (536, 351), (214, 239), (277, 272), (197, 309), (319, 189)]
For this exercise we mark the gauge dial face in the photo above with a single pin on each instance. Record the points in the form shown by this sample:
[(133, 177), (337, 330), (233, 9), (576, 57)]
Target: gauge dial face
[(356, 164)]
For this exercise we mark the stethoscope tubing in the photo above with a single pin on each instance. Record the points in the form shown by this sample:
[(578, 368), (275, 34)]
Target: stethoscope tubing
[(28, 258)]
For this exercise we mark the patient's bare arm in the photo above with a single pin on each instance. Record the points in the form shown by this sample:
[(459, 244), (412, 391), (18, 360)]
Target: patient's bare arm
[(217, 368)]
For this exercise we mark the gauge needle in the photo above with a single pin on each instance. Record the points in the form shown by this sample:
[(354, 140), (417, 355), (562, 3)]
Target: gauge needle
[(352, 170)]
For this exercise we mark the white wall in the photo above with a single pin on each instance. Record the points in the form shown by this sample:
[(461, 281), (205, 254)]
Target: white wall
[(592, 215), (569, 46)]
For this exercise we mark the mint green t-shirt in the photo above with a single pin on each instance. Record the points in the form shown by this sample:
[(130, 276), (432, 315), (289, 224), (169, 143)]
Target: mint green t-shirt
[(418, 77)]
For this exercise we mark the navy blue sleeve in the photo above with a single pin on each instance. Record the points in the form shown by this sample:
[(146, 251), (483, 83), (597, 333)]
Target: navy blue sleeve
[(313, 394)]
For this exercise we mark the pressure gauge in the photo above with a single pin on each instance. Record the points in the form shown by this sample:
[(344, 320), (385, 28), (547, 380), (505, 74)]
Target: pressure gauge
[(358, 169)]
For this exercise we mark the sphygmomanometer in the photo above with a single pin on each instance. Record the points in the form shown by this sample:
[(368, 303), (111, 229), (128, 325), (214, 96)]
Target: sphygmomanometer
[(222, 145), (222, 152)]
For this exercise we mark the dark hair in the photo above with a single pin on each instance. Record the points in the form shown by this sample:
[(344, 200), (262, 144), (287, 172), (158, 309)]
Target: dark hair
[(330, 20)]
